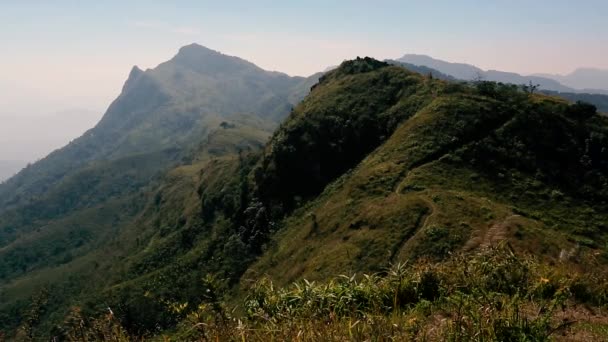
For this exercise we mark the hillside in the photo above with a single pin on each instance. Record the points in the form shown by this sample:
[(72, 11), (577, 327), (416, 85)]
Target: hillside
[(387, 172), (161, 117), (129, 239), (462, 163), (599, 100), (65, 211), (377, 166)]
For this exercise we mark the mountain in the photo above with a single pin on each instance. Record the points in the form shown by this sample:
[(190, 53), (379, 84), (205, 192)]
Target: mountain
[(548, 84), (160, 109), (460, 71), (424, 70), (69, 207), (380, 166), (591, 80), (377, 166), (158, 118), (469, 72)]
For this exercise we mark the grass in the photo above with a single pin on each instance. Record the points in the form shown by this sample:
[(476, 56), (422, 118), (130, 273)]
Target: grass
[(460, 172), (491, 295), (140, 245)]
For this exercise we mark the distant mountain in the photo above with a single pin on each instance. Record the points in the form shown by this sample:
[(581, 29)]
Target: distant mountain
[(469, 72), (466, 72), (162, 109), (590, 80), (424, 70), (460, 71)]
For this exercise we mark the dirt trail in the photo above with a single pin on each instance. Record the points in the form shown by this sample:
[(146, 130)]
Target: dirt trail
[(422, 222), (494, 234)]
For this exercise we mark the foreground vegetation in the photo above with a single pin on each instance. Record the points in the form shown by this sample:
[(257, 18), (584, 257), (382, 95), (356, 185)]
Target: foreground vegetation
[(492, 295)]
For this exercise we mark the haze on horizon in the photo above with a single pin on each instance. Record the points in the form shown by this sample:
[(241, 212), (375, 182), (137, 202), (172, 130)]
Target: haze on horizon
[(63, 62)]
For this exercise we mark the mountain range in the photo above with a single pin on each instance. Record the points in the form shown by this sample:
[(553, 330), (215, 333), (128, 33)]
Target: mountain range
[(207, 172), (580, 81), (592, 79)]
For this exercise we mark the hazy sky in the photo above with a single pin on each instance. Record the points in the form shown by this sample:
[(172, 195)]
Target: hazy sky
[(61, 55)]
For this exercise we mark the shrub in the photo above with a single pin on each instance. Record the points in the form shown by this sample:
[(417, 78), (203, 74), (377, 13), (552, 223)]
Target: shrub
[(581, 110)]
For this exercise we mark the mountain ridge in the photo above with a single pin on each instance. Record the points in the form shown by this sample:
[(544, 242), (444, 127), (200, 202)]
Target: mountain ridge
[(147, 98), (589, 79), (470, 72), (67, 208)]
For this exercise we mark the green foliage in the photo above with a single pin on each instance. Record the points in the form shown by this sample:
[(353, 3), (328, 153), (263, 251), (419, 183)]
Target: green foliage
[(439, 242), (598, 100), (498, 160), (482, 297), (139, 239), (343, 120), (77, 327), (581, 110), (492, 295)]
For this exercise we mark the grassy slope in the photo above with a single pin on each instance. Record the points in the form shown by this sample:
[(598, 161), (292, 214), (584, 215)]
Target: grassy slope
[(425, 192), (129, 240), (72, 205)]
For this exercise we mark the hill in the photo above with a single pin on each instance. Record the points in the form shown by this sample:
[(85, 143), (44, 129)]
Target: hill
[(67, 209), (377, 166), (380, 167), (445, 163), (599, 100)]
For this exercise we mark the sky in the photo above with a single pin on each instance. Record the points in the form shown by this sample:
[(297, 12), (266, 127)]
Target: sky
[(68, 56)]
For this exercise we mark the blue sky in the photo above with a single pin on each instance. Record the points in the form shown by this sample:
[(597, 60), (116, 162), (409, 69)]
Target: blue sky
[(66, 54), (301, 37)]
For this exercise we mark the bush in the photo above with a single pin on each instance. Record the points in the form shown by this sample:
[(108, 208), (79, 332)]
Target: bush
[(581, 110)]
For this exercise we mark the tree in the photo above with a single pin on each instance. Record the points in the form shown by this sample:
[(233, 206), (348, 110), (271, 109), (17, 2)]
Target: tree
[(581, 110), (530, 88)]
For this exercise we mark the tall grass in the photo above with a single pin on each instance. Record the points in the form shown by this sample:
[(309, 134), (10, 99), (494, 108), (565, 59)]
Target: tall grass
[(493, 295)]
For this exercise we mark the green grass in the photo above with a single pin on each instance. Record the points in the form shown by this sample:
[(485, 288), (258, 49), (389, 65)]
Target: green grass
[(134, 240), (464, 170), (490, 295)]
